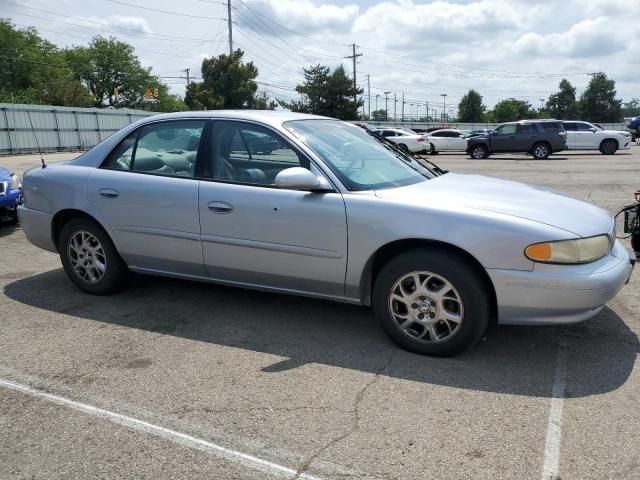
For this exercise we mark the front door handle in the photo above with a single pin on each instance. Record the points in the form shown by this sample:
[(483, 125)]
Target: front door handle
[(108, 193), (220, 207)]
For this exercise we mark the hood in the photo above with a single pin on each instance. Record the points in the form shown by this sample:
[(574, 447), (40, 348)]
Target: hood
[(4, 174), (531, 202)]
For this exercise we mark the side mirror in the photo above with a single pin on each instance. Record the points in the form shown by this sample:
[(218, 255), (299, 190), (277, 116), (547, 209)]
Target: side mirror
[(593, 129), (298, 178)]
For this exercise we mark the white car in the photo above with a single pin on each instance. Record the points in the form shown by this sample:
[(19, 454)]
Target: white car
[(586, 136), (405, 138), (447, 140)]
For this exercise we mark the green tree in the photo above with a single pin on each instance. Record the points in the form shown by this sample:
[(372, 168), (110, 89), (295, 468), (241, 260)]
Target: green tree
[(327, 93), (510, 110), (261, 101), (109, 66), (379, 115), (33, 70), (563, 104), (470, 108), (227, 82), (598, 102), (631, 108)]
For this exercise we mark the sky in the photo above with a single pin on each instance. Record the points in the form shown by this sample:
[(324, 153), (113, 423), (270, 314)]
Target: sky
[(502, 48)]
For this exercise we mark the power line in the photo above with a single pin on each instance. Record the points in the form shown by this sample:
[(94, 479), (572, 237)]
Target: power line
[(165, 11)]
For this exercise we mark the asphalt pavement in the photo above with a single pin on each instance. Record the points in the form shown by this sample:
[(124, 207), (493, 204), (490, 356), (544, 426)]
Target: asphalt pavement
[(177, 379)]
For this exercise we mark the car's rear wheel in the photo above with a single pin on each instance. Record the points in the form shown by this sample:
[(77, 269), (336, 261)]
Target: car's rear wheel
[(541, 151), (432, 302), (479, 152), (608, 147), (403, 147), (90, 259), (432, 150)]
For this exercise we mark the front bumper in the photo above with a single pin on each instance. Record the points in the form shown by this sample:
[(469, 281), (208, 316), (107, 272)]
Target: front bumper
[(560, 294), (11, 199), (37, 227)]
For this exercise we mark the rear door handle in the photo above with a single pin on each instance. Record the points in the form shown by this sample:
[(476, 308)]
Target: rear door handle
[(220, 207), (108, 192)]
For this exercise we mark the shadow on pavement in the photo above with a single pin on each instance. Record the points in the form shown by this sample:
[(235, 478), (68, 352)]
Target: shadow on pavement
[(513, 360)]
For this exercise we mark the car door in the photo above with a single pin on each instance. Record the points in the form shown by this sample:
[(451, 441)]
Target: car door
[(146, 192), (572, 137), (503, 138), (256, 234), (438, 140), (526, 135), (457, 142), (586, 136)]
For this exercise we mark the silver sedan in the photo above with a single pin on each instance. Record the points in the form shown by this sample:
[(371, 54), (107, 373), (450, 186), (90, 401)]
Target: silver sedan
[(314, 206)]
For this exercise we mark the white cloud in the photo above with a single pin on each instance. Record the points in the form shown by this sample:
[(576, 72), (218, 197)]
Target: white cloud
[(121, 22)]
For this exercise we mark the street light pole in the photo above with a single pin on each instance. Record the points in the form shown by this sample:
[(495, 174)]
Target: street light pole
[(444, 105), (377, 95)]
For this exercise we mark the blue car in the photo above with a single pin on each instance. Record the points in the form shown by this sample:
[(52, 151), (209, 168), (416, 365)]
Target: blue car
[(10, 195), (634, 124)]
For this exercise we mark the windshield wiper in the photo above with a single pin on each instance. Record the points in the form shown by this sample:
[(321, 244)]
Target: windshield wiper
[(407, 153)]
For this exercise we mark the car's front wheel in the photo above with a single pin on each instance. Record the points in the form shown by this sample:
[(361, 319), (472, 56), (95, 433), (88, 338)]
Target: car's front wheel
[(479, 152), (432, 302), (90, 259), (609, 147)]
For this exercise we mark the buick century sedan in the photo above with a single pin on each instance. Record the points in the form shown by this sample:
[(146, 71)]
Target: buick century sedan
[(327, 210)]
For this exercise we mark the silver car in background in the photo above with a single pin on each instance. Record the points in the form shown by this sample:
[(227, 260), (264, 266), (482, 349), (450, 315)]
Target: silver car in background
[(314, 206)]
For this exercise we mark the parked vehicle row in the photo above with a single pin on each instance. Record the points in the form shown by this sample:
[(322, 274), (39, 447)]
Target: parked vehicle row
[(334, 213)]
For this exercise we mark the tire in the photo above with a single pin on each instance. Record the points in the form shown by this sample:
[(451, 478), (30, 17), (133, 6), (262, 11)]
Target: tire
[(479, 152), (402, 146), (541, 151), (433, 149), (86, 235), (468, 299), (608, 147)]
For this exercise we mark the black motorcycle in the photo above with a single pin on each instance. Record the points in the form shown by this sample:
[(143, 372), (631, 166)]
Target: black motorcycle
[(631, 225)]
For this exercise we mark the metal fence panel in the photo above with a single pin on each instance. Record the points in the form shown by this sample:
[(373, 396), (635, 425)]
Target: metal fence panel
[(25, 127)]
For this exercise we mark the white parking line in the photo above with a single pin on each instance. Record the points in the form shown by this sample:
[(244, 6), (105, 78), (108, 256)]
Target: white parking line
[(245, 459), (551, 467)]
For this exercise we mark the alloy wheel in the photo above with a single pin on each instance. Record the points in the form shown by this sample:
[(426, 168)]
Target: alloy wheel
[(87, 257), (426, 307)]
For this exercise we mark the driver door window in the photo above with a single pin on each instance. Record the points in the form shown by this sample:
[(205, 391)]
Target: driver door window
[(250, 154)]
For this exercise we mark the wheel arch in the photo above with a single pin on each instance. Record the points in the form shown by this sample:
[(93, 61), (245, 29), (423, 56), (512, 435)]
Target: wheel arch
[(387, 252), (62, 217), (606, 139)]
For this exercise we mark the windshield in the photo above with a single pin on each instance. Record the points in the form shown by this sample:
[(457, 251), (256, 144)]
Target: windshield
[(357, 158)]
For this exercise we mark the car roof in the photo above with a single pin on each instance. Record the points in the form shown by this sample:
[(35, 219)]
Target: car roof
[(270, 117)]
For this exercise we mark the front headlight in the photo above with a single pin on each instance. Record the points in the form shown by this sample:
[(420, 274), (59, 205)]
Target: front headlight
[(580, 250), (15, 182)]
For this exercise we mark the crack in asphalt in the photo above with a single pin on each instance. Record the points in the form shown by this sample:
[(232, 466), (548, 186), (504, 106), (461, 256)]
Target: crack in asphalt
[(355, 422)]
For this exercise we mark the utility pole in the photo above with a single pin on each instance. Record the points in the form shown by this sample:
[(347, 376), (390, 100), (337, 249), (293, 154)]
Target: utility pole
[(541, 103), (229, 23), (186, 70), (377, 95), (353, 56), (427, 102), (402, 114), (386, 105), (369, 94), (395, 107)]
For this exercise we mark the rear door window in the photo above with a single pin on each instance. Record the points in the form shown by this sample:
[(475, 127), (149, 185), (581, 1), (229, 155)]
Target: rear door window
[(163, 148)]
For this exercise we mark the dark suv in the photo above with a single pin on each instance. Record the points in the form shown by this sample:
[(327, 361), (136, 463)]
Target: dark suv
[(539, 138)]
